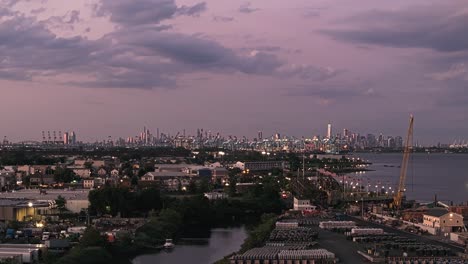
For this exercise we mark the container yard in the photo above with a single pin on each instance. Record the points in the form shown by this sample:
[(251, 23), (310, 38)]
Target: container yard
[(287, 225), (280, 255), (333, 225), (299, 234), (307, 239), (366, 231)]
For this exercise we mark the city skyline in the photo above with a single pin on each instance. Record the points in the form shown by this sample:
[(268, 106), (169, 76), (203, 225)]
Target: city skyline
[(103, 68)]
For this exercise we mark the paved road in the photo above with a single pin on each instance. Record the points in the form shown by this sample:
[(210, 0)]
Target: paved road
[(344, 249), (406, 234)]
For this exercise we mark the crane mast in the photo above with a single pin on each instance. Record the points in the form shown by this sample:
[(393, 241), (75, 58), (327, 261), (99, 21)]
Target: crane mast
[(404, 166)]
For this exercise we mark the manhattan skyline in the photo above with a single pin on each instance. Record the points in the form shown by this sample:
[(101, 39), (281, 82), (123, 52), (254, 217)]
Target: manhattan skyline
[(107, 67)]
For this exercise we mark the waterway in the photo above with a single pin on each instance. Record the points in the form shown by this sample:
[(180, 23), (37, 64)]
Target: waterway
[(222, 242), (444, 175)]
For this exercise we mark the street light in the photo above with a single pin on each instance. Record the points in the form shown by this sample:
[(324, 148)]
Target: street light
[(30, 204)]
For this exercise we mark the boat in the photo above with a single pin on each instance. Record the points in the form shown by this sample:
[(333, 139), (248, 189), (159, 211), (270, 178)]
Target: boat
[(169, 244)]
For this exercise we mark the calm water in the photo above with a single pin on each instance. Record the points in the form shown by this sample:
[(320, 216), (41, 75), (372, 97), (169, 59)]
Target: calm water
[(428, 174), (221, 243)]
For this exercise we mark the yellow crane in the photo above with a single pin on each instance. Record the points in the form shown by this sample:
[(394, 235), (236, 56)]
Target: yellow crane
[(397, 199)]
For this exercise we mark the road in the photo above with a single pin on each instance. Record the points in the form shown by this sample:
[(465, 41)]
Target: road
[(422, 239), (344, 249)]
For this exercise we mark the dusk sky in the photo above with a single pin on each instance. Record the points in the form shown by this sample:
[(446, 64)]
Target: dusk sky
[(109, 67)]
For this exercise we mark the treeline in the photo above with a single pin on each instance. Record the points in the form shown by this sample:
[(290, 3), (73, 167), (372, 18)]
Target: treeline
[(17, 158), (196, 208), (48, 157), (171, 217), (257, 236)]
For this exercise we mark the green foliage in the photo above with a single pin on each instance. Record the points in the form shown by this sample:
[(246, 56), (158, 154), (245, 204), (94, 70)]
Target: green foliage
[(8, 261), (61, 204), (294, 161), (232, 188), (192, 187), (64, 175), (259, 234), (204, 185), (90, 255), (142, 171), (148, 199), (88, 165), (267, 195), (115, 200), (92, 238), (21, 157), (166, 225), (134, 180)]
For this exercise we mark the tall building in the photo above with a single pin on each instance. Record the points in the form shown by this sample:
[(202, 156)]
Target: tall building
[(66, 138), (329, 131), (345, 132), (72, 138)]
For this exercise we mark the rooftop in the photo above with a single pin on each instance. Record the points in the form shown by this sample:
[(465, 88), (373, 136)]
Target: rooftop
[(437, 212), (34, 194)]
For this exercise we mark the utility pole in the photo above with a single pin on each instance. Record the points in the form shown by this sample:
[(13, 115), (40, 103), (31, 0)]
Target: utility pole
[(362, 208)]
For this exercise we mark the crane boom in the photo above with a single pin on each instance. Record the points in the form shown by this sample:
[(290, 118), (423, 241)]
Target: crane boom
[(404, 166)]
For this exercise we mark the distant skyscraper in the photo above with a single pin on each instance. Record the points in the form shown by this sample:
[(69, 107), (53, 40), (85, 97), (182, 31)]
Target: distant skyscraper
[(329, 131), (345, 132), (66, 138)]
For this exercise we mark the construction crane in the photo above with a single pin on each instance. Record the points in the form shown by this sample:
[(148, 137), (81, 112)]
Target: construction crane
[(397, 199)]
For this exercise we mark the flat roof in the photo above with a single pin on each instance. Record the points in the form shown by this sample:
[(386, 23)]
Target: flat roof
[(34, 194)]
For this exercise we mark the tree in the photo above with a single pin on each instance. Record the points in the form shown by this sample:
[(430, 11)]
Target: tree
[(64, 175), (134, 181), (260, 234), (232, 190), (88, 165), (90, 255), (192, 187), (204, 185), (61, 203), (92, 238), (141, 172), (294, 161)]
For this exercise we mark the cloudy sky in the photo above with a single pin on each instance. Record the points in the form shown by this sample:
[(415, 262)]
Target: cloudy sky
[(109, 67)]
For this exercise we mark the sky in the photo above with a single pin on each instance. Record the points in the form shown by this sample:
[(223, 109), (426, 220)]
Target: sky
[(109, 67)]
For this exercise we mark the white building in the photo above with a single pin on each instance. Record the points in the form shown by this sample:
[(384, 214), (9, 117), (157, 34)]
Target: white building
[(88, 184), (443, 220), (303, 205), (114, 173), (82, 172), (216, 195)]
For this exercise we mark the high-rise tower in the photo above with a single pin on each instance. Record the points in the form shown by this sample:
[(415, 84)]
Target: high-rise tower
[(72, 138), (66, 138), (329, 131)]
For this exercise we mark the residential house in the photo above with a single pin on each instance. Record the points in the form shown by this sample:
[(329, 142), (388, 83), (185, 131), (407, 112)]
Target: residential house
[(83, 173), (303, 205), (40, 179), (220, 173), (102, 172), (171, 181), (88, 184), (115, 173)]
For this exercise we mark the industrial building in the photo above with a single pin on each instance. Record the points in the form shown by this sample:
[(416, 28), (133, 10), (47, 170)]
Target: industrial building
[(260, 165), (443, 220), (76, 199), (21, 210)]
